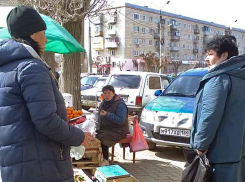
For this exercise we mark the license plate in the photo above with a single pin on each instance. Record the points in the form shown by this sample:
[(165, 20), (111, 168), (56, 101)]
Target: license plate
[(175, 132)]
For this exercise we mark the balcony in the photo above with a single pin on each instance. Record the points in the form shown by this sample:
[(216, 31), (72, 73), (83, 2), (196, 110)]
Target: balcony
[(156, 35), (110, 45), (98, 43), (174, 48), (196, 41), (196, 31), (195, 51), (205, 33), (175, 38), (98, 33), (174, 27), (111, 32)]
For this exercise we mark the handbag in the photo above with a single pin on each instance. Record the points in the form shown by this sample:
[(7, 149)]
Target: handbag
[(198, 171), (138, 142)]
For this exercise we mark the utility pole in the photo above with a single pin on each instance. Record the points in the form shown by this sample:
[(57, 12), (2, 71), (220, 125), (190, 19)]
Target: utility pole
[(90, 52), (160, 46)]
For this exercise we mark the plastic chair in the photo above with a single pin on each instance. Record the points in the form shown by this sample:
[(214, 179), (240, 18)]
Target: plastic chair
[(126, 141)]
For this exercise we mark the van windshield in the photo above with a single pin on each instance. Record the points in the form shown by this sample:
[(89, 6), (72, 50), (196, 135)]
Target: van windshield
[(100, 83), (88, 80), (125, 81), (184, 86)]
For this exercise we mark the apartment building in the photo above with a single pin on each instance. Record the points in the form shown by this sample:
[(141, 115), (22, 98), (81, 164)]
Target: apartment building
[(121, 34)]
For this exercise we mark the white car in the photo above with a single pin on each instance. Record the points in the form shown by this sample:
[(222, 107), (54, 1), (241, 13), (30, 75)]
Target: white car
[(89, 97), (137, 88)]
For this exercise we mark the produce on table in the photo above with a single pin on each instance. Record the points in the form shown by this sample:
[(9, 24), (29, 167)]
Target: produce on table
[(78, 178), (71, 113)]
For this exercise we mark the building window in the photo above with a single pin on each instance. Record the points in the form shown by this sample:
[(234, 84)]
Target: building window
[(179, 25), (136, 41), (143, 30), (112, 52), (183, 56), (144, 18), (136, 28), (157, 43), (183, 46), (98, 53), (136, 53), (189, 27), (136, 16), (189, 47), (110, 27), (150, 42), (150, 19), (150, 31), (172, 55), (185, 26), (143, 41), (177, 55), (156, 20), (189, 37)]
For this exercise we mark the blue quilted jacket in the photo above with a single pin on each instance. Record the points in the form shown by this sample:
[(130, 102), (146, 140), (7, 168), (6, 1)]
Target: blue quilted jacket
[(219, 116), (35, 137)]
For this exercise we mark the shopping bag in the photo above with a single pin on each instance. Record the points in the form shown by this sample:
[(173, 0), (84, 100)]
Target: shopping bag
[(138, 142), (198, 171), (189, 154)]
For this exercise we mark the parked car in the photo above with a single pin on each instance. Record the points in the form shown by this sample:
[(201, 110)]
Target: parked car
[(167, 119), (88, 81), (89, 97), (137, 88)]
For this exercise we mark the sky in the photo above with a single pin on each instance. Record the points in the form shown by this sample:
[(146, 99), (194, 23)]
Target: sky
[(224, 12)]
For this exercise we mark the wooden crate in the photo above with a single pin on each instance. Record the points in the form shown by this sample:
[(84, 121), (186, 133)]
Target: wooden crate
[(92, 158)]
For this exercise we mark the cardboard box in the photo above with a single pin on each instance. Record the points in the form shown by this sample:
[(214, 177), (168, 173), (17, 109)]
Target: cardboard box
[(113, 173)]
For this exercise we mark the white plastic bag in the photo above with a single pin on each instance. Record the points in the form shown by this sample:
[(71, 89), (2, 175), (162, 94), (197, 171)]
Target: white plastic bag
[(87, 126)]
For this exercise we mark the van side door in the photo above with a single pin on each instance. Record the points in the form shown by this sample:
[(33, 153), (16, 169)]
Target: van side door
[(153, 83)]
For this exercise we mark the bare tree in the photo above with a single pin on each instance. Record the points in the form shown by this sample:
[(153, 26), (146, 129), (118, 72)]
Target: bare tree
[(176, 65), (153, 62), (71, 14)]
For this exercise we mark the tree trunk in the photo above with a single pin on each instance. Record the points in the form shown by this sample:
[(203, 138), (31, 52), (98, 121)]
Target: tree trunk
[(50, 60), (71, 67)]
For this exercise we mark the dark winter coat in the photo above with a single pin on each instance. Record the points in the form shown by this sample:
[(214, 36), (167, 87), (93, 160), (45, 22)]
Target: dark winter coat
[(114, 126), (35, 137)]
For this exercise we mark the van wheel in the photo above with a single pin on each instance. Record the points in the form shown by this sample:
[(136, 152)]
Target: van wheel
[(86, 108), (151, 145)]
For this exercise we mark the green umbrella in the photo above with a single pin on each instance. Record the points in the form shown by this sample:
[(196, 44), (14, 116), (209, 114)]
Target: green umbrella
[(59, 39)]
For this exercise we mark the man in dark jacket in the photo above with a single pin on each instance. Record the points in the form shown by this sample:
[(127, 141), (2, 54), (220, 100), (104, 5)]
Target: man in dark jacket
[(35, 137), (219, 119), (113, 120)]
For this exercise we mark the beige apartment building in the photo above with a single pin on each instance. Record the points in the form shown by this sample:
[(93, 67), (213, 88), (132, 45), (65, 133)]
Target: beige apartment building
[(121, 35)]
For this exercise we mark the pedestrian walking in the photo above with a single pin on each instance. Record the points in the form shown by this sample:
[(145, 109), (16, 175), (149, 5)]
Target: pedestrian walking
[(112, 121), (35, 136), (219, 119)]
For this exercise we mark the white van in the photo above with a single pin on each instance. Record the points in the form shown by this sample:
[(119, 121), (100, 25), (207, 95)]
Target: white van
[(137, 88)]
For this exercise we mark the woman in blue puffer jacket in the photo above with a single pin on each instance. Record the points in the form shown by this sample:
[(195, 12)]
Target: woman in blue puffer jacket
[(35, 137)]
